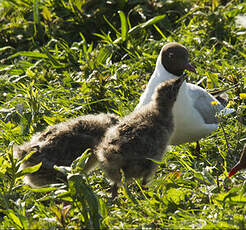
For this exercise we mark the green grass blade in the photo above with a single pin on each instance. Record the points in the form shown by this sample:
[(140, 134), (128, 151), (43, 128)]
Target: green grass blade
[(36, 17), (29, 170), (124, 27), (111, 25), (150, 22), (153, 21), (103, 55), (15, 219), (160, 32), (27, 156), (84, 194), (33, 54)]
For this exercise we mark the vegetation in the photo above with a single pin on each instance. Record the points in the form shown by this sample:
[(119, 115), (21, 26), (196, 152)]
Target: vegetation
[(61, 59)]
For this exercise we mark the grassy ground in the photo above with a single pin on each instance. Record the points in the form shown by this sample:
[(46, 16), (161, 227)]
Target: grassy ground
[(61, 59)]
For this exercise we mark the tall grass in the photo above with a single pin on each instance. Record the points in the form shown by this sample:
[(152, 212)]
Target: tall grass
[(61, 59)]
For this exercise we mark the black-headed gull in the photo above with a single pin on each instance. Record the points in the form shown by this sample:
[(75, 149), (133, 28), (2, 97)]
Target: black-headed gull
[(194, 115), (139, 137)]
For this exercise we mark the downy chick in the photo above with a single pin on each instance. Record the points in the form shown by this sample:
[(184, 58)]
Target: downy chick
[(61, 144), (139, 137)]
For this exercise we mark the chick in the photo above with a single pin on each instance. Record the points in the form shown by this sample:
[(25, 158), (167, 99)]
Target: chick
[(61, 144), (139, 137)]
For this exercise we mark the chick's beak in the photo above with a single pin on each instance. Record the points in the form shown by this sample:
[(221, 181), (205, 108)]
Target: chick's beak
[(190, 68)]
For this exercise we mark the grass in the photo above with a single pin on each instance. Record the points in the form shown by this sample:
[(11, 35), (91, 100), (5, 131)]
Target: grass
[(61, 59)]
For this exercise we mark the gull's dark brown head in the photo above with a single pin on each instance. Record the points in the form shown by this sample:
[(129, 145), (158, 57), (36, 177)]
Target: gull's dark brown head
[(175, 59)]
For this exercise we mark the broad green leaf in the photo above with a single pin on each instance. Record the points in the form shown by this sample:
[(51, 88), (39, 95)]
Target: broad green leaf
[(15, 218), (80, 162), (84, 193), (124, 27), (104, 211), (29, 170), (153, 21), (26, 157), (43, 189), (33, 54), (36, 17), (148, 23)]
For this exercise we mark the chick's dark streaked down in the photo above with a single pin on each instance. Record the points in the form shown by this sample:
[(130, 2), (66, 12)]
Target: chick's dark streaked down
[(61, 144), (139, 137)]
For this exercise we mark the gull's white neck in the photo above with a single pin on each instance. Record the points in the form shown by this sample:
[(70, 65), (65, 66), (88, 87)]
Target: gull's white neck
[(160, 74)]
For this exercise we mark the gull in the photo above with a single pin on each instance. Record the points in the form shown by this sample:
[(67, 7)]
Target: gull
[(194, 115)]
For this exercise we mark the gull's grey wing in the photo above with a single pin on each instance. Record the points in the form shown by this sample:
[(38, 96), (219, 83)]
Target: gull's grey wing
[(202, 102)]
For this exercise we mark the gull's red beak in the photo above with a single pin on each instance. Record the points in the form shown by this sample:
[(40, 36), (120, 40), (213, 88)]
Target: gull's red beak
[(190, 68)]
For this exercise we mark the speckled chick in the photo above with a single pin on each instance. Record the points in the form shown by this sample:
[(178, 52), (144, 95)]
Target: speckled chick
[(139, 137), (61, 144)]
